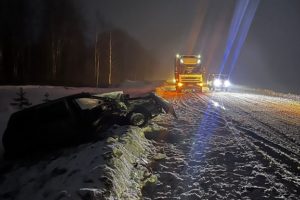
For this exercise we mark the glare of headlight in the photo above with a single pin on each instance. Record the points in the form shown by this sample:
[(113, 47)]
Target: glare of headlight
[(227, 83), (177, 56), (217, 82), (180, 84), (199, 56), (174, 80), (181, 61), (198, 61), (216, 104)]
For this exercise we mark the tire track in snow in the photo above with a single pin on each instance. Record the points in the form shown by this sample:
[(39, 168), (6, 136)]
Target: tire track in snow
[(264, 129), (208, 160)]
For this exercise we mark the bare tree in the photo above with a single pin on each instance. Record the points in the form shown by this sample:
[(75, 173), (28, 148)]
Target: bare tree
[(21, 101), (110, 58), (97, 60)]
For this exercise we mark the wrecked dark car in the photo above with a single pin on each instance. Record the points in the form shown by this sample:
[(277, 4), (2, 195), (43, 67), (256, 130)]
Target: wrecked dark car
[(76, 119)]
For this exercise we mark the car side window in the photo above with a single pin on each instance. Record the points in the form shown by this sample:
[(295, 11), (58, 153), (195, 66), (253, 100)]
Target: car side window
[(53, 112)]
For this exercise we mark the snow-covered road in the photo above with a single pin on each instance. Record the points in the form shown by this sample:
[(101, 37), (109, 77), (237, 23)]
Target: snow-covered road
[(228, 146)]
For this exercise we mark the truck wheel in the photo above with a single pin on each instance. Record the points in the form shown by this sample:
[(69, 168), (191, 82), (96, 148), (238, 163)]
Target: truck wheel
[(199, 90)]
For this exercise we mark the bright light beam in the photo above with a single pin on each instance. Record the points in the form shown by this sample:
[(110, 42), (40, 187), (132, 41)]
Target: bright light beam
[(238, 15), (247, 21)]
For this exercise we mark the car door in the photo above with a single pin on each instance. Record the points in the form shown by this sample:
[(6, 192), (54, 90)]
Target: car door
[(55, 126)]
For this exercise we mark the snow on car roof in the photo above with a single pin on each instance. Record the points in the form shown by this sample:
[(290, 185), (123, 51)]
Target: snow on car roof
[(112, 95)]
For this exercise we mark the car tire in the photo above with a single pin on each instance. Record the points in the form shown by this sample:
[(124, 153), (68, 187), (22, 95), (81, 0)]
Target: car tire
[(138, 118)]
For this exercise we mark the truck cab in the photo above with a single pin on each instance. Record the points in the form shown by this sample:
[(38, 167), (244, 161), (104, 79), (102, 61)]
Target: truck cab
[(188, 72)]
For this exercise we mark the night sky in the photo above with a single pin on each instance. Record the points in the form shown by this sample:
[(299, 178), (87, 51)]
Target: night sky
[(270, 57), (266, 44)]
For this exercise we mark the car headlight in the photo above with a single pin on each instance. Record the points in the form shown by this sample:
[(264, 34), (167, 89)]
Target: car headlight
[(217, 82), (227, 83)]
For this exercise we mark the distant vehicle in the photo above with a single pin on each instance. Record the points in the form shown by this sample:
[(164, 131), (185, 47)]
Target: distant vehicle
[(218, 82), (76, 119), (188, 72)]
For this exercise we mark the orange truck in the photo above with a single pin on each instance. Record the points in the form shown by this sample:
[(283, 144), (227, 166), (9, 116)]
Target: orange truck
[(188, 72)]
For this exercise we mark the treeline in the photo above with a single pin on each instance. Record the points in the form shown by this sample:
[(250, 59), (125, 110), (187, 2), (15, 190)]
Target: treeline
[(49, 42)]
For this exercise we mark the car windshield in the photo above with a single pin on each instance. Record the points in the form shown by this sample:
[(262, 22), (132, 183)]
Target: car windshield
[(88, 103), (190, 69)]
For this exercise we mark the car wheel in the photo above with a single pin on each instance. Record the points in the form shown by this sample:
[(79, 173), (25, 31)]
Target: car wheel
[(138, 118)]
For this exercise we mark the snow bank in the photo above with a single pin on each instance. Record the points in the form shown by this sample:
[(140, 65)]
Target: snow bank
[(111, 169), (127, 169)]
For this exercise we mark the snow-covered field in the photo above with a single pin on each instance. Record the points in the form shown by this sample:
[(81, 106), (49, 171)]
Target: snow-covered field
[(229, 146)]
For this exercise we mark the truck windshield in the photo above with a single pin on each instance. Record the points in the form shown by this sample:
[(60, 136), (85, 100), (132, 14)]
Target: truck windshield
[(190, 69)]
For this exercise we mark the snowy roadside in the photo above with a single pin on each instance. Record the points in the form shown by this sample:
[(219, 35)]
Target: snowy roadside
[(111, 169), (267, 92)]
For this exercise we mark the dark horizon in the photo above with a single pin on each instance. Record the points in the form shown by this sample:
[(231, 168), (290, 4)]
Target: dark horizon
[(268, 57)]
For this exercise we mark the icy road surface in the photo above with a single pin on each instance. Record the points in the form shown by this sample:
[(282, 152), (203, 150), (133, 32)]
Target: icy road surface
[(228, 146)]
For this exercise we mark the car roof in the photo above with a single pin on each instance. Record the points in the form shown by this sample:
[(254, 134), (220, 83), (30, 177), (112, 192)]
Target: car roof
[(73, 96)]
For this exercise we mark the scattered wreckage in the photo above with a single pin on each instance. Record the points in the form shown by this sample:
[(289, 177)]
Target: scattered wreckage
[(77, 119)]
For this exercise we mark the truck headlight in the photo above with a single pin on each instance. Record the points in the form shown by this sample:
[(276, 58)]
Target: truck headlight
[(227, 83), (179, 84), (217, 82)]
